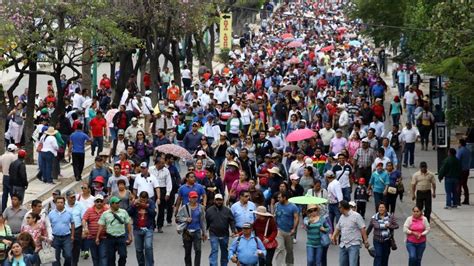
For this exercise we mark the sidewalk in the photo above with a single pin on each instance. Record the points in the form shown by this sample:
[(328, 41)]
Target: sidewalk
[(455, 223)]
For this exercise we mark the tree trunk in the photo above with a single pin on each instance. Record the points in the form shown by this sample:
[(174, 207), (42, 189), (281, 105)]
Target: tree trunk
[(11, 98), (3, 113), (86, 71), (30, 110), (154, 73), (112, 75), (126, 69), (175, 62), (189, 51), (143, 69)]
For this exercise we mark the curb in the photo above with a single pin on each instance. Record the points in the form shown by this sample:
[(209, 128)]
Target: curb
[(450, 233)]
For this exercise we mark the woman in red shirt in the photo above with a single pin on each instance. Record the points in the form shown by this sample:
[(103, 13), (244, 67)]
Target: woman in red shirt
[(266, 229)]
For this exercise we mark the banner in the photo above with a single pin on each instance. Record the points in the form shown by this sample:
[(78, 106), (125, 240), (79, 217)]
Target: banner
[(225, 39)]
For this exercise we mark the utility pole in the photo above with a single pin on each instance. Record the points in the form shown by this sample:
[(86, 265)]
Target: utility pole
[(94, 68)]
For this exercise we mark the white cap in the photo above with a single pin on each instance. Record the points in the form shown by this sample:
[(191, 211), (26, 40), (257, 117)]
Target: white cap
[(144, 165), (12, 147), (218, 196), (99, 196), (201, 153), (147, 92)]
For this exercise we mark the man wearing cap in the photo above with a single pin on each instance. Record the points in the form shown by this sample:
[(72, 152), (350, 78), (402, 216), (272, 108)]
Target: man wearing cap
[(77, 210), (99, 170), (62, 224), (334, 196), (219, 219), (5, 160), (146, 182), (142, 211), (131, 131), (90, 226), (17, 175), (119, 145), (163, 177), (77, 149), (113, 222), (298, 163), (186, 188), (192, 139), (363, 159), (194, 215), (98, 129), (247, 248)]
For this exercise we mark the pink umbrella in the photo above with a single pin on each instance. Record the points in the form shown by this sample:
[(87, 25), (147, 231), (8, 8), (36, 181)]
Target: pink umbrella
[(174, 150), (294, 44), (327, 48), (286, 36), (294, 60), (341, 29), (300, 134)]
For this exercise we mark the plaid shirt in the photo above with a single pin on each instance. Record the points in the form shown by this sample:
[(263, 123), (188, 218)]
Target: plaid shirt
[(381, 231), (364, 157)]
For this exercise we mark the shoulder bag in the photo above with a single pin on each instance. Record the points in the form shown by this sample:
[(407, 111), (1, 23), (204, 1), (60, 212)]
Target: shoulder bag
[(270, 244), (47, 254)]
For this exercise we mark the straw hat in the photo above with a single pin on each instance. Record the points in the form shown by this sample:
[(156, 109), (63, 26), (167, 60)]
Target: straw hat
[(274, 170), (312, 206), (51, 131), (261, 210)]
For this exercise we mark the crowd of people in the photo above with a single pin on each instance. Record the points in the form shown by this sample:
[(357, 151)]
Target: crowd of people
[(305, 69)]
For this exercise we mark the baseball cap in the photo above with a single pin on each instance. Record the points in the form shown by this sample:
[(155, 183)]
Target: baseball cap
[(329, 173), (201, 153), (121, 132), (57, 192), (365, 140), (147, 93), (70, 193), (21, 153), (99, 197), (114, 200), (143, 165), (247, 226), (99, 179), (193, 194), (218, 196), (12, 147), (134, 119)]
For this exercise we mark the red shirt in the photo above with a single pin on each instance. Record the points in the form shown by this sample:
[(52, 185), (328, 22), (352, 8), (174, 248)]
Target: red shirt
[(147, 80), (50, 99), (378, 111), (91, 216), (142, 217), (105, 82), (97, 126)]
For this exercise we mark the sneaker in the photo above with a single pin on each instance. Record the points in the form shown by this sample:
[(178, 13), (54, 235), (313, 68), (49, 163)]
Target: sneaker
[(294, 240), (86, 255), (169, 224), (405, 165), (159, 230), (447, 207), (412, 165)]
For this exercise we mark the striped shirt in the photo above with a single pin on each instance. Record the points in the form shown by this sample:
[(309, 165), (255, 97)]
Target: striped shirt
[(91, 217)]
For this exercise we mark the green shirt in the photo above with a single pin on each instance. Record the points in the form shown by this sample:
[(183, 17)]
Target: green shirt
[(112, 225)]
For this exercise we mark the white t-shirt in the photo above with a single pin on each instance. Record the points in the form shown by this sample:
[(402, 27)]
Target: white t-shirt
[(186, 74), (410, 97), (147, 184), (89, 202)]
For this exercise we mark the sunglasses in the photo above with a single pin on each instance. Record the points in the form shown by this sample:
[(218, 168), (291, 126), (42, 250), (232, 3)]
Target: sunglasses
[(84, 187), (99, 201), (311, 211)]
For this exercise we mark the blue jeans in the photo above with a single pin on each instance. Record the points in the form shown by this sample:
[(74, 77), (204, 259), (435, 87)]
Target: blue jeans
[(119, 245), (396, 119), (47, 166), (382, 252), (195, 243), (334, 213), (98, 252), (113, 133), (411, 113), (217, 242), (99, 143), (415, 253), (450, 185), (144, 246), (6, 191), (348, 256), (314, 256), (409, 152), (401, 89), (346, 193), (63, 243)]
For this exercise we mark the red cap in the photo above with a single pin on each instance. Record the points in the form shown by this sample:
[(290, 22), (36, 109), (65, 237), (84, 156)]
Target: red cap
[(21, 154), (99, 179), (277, 127), (361, 181), (193, 194)]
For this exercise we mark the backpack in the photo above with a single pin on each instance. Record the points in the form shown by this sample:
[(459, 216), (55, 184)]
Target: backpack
[(395, 142)]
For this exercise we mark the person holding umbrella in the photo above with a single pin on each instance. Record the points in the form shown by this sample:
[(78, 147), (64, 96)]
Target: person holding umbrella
[(317, 232)]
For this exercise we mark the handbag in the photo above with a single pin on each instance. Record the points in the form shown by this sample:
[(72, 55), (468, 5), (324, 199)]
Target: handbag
[(270, 244), (47, 254), (325, 241), (392, 190), (393, 244), (400, 187)]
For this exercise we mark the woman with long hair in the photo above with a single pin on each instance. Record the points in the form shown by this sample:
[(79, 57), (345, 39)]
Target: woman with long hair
[(239, 185), (17, 256), (234, 125), (315, 225), (143, 148), (36, 230)]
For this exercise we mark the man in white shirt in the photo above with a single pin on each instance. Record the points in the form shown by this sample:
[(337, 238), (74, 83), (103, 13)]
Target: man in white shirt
[(187, 78), (380, 159), (276, 141), (327, 134), (146, 182), (163, 178), (409, 99), (211, 129), (334, 196), (408, 137), (220, 94), (343, 120), (77, 99), (378, 126)]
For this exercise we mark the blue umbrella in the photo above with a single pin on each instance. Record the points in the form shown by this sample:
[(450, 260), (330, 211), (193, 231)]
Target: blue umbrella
[(355, 43)]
